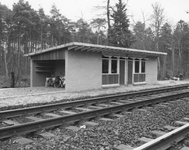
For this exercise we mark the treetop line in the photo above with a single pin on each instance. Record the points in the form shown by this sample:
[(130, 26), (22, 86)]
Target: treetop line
[(25, 30)]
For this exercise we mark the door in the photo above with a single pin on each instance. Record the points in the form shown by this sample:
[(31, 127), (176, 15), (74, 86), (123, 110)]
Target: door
[(130, 72), (122, 72)]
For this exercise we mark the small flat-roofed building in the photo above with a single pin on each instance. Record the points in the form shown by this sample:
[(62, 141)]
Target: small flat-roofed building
[(90, 66)]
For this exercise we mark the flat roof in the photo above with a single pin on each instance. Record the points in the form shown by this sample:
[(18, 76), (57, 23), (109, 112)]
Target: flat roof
[(104, 49)]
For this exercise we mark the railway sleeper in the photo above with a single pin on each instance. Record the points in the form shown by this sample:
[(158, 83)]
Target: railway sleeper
[(46, 135), (67, 112), (90, 124), (73, 128), (158, 133), (170, 128), (144, 139), (23, 141), (83, 109), (123, 147), (52, 115), (10, 122), (181, 122), (34, 118)]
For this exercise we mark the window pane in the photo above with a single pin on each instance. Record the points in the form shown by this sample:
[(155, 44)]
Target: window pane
[(114, 66), (143, 67), (136, 66), (105, 64)]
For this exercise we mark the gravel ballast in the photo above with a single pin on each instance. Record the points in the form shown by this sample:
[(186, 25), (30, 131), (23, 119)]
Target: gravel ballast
[(107, 135)]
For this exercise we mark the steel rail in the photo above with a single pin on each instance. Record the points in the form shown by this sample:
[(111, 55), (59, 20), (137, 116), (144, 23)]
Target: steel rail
[(165, 141), (63, 105), (6, 132)]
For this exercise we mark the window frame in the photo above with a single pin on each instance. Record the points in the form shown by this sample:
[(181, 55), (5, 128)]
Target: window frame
[(114, 59), (140, 66), (110, 59), (106, 59), (143, 61), (137, 61), (137, 76)]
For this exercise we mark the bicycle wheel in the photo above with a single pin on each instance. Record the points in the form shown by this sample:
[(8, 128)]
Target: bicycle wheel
[(57, 84)]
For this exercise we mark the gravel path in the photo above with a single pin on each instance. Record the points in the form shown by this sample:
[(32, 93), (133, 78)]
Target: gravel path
[(25, 96)]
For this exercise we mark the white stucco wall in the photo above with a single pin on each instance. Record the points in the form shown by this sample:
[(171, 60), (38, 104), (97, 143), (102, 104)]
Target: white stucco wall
[(151, 71), (83, 70)]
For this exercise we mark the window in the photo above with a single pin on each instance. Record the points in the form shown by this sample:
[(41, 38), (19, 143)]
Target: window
[(139, 70), (137, 65), (110, 65), (114, 66), (143, 66), (110, 70), (105, 65)]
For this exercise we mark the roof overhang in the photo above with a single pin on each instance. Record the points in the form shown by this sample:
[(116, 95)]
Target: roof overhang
[(106, 50)]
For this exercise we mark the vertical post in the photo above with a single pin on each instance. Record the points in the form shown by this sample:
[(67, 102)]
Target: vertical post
[(133, 61), (31, 72), (118, 65), (126, 71), (110, 65), (67, 86), (118, 69), (12, 79), (140, 65)]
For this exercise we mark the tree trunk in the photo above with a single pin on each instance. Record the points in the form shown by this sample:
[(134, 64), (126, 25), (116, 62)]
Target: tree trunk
[(173, 61), (6, 45), (179, 59), (41, 37), (5, 61), (19, 55), (108, 19)]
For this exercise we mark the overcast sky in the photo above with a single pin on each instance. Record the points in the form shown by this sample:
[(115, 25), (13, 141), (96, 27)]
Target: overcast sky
[(175, 10)]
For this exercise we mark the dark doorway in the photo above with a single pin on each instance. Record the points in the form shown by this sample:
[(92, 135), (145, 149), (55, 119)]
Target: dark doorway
[(122, 72), (130, 71)]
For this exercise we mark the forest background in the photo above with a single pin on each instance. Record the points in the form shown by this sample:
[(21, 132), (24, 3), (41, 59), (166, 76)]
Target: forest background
[(24, 30)]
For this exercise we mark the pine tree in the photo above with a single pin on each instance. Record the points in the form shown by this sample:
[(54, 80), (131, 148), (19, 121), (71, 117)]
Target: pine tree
[(120, 35)]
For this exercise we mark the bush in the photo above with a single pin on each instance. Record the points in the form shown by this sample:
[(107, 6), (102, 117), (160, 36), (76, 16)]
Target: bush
[(23, 81), (5, 82)]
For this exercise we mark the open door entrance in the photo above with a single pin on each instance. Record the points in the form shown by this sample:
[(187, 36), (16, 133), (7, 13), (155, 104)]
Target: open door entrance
[(122, 72), (130, 71)]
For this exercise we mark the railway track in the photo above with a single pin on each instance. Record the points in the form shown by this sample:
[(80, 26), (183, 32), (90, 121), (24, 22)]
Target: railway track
[(85, 109), (165, 140), (64, 105)]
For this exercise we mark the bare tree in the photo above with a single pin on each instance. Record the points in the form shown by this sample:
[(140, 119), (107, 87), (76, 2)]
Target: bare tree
[(106, 10), (157, 20), (139, 28), (98, 23), (108, 15)]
